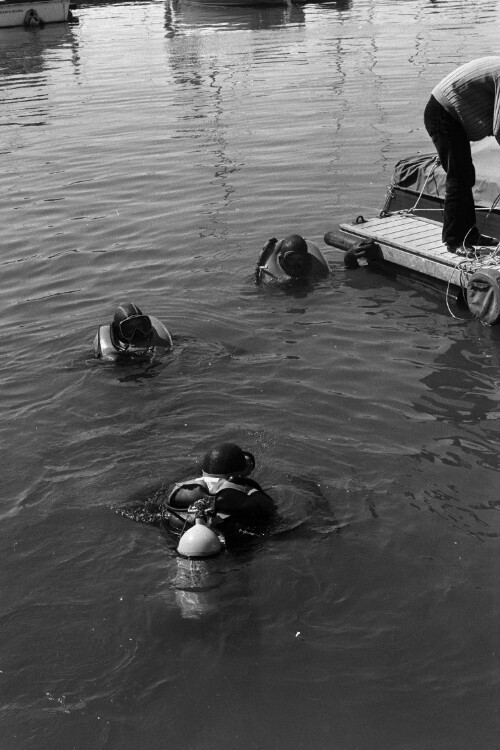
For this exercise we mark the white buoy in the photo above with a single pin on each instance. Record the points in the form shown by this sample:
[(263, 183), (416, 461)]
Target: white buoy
[(199, 541)]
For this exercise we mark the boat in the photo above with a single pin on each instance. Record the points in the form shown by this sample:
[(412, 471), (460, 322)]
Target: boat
[(405, 239), (418, 184), (33, 14)]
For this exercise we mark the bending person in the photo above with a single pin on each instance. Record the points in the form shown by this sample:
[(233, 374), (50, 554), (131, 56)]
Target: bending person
[(131, 334), (463, 107)]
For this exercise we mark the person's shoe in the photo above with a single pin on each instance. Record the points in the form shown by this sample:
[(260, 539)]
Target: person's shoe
[(475, 238), (485, 241), (466, 251)]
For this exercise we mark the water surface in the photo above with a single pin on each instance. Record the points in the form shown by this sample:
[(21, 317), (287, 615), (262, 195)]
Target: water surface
[(148, 153)]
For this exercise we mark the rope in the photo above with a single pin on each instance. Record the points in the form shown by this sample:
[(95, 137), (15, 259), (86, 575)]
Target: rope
[(433, 168), (492, 207), (467, 265), (413, 209), (462, 268)]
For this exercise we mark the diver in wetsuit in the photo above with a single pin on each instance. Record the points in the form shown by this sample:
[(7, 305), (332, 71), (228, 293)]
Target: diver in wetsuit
[(131, 334), (291, 258), (237, 502)]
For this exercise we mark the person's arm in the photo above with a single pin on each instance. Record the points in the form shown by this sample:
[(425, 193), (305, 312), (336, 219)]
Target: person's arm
[(232, 499)]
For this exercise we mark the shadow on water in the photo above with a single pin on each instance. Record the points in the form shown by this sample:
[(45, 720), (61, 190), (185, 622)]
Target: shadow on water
[(188, 354), (295, 289), (130, 370), (371, 277)]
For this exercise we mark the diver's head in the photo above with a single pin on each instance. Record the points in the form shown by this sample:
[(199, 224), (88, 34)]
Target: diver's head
[(228, 459), (131, 326), (293, 256)]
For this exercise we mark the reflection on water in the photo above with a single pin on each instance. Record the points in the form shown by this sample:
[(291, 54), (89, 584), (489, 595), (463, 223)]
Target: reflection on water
[(186, 17), (27, 51), (28, 54), (195, 584)]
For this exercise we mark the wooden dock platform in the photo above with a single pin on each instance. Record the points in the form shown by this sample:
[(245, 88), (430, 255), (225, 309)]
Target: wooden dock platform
[(412, 244), (415, 243)]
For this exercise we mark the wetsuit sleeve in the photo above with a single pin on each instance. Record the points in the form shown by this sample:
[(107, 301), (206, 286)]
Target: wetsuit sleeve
[(257, 504)]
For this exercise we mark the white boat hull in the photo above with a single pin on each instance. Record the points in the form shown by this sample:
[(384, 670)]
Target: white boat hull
[(48, 11)]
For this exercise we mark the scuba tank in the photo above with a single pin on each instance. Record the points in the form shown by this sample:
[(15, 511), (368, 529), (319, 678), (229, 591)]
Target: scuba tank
[(199, 540)]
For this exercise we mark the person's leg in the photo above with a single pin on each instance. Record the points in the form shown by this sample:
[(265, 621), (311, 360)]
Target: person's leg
[(453, 148), (459, 222)]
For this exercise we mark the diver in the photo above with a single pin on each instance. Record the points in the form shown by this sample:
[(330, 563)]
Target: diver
[(235, 503), (291, 258), (131, 334)]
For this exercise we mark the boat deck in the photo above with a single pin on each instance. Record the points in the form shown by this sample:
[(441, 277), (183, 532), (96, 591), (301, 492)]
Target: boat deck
[(415, 243)]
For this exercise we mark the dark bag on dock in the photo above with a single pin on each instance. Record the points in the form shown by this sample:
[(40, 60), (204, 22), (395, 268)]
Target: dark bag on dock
[(483, 295)]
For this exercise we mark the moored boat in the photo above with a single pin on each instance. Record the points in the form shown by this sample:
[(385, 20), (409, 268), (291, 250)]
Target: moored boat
[(36, 13), (418, 185)]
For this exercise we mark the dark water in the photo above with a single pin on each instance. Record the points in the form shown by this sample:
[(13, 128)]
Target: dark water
[(148, 153)]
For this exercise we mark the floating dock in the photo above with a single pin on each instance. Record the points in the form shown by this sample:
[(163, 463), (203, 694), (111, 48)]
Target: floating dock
[(413, 244)]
